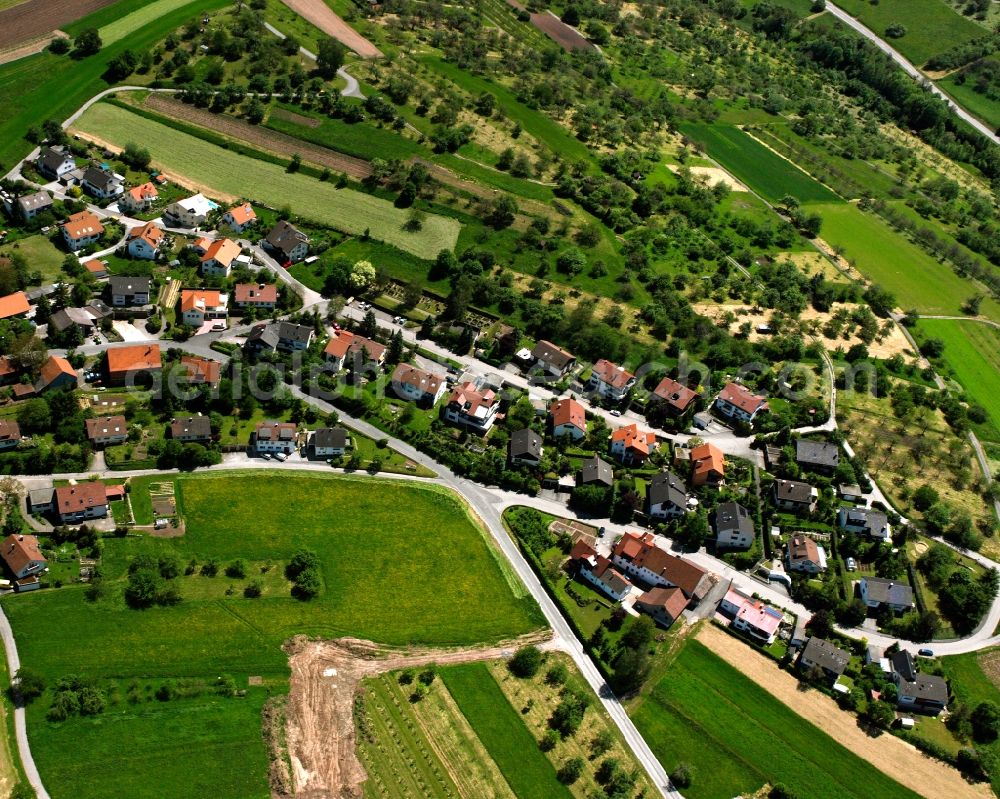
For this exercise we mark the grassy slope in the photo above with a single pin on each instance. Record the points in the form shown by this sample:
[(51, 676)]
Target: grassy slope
[(344, 209), (979, 105), (736, 736), (123, 26)]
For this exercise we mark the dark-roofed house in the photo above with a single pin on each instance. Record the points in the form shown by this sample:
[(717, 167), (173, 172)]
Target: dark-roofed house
[(865, 521), (102, 183), (525, 448), (595, 471), (272, 436), (877, 592), (74, 503), (107, 430), (817, 456), (262, 338), (925, 693), (805, 555), (665, 605), (639, 556), (126, 290), (293, 337), (821, 654), (23, 556), (191, 428), (553, 359), (54, 162), (666, 497), (287, 242), (31, 205), (733, 526), (738, 402), (329, 442), (795, 496)]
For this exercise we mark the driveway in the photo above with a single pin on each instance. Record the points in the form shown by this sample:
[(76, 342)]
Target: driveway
[(130, 331)]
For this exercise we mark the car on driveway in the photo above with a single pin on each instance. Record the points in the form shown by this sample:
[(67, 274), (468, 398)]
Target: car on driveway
[(615, 412), (265, 456), (925, 653), (280, 456)]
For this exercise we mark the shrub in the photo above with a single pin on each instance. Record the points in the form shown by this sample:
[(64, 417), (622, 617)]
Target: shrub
[(253, 589), (570, 771), (237, 570), (681, 776), (557, 675), (526, 662)]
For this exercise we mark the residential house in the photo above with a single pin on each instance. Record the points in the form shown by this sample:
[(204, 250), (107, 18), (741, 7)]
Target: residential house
[(81, 230), (15, 304), (262, 338), (600, 572), (805, 555), (665, 605), (107, 430), (8, 371), (86, 319), (878, 592), (191, 429), (145, 241), (217, 259), (925, 693), (55, 373), (240, 217), (125, 364), (102, 183), (41, 501), (631, 445), (284, 336), (138, 199), (820, 654), (345, 346), (287, 242), (201, 371), (554, 360), (129, 291), (795, 496), (850, 493), (97, 269), (733, 527), (865, 521), (639, 556), (190, 212), (568, 418), (54, 162), (817, 456), (275, 437), (329, 442), (752, 617), (595, 471), (676, 397), (416, 385), (736, 401), (31, 205), (10, 434), (199, 306), (75, 503), (611, 381), (23, 556), (666, 497), (262, 296), (708, 465), (525, 448), (472, 407)]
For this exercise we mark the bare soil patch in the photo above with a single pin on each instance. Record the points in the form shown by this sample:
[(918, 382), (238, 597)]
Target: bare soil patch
[(30, 47), (892, 756), (320, 15), (559, 32), (989, 662), (713, 175), (298, 119), (319, 715), (35, 18)]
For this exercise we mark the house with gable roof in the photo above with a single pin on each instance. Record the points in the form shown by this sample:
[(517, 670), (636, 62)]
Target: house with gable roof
[(736, 401)]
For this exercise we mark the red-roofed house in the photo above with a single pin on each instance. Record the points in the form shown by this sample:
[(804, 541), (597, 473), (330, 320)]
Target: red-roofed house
[(610, 380), (275, 437), (674, 396), (631, 445), (218, 258), (239, 217), (128, 362), (416, 385), (99, 269), (639, 556), (665, 605), (10, 434), (199, 306), (23, 555), (568, 419), (15, 304), (74, 503), (141, 198), (472, 408), (56, 373), (738, 402), (708, 465), (201, 370), (145, 241), (345, 345), (107, 430), (81, 229), (599, 571), (255, 295), (8, 371)]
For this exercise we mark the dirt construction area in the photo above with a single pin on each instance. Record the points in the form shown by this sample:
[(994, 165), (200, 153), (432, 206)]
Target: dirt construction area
[(37, 18), (320, 15), (319, 731), (890, 755)]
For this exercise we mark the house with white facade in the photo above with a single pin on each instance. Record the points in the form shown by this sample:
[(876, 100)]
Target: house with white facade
[(102, 183), (611, 381), (666, 496), (240, 217), (81, 230), (878, 592), (190, 212), (417, 385), (218, 258), (639, 557), (76, 503), (106, 430), (473, 407), (31, 205), (54, 162), (271, 437), (734, 528), (200, 305), (805, 555), (145, 241), (795, 496), (127, 291), (329, 442), (138, 199), (288, 243), (553, 360), (632, 445), (568, 418), (865, 521), (737, 402), (23, 556)]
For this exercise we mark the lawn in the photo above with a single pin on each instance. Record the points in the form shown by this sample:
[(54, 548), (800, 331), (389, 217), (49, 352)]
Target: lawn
[(932, 26), (735, 736), (762, 170), (123, 26), (360, 139), (230, 173), (512, 747), (972, 352), (41, 254)]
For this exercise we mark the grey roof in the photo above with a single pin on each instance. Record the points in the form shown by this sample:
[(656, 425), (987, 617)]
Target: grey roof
[(873, 521), (594, 470), (32, 202), (549, 353), (100, 178), (733, 516), (667, 487), (818, 453), (830, 657), (51, 158), (40, 496), (903, 665), (526, 443), (67, 317), (892, 592), (285, 237), (199, 426), (793, 491), (126, 285), (263, 335), (289, 331), (331, 437), (917, 685)]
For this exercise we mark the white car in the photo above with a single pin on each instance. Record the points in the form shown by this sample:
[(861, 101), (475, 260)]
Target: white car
[(615, 412), (851, 564), (280, 456), (265, 456)]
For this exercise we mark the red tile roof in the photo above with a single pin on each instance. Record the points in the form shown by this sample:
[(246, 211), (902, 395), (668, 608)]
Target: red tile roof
[(242, 214), (54, 367), (427, 382), (708, 460), (106, 426), (222, 250), (343, 342), (14, 304), (20, 550), (568, 411), (201, 370), (81, 497), (9, 430), (136, 358), (642, 552), (253, 293), (200, 300), (147, 191), (612, 374), (743, 398), (149, 233), (642, 441), (675, 394), (96, 267), (83, 225), (671, 600)]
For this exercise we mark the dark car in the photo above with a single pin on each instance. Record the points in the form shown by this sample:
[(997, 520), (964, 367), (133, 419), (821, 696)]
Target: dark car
[(925, 653)]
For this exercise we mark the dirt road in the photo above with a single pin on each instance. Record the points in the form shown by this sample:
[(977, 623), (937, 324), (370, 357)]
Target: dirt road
[(320, 15), (320, 709), (35, 18), (31, 47), (890, 755)]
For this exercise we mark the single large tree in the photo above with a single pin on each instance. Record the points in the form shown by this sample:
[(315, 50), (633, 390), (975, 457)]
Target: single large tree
[(330, 57)]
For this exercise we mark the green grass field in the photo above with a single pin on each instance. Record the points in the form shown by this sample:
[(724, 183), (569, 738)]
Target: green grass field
[(122, 27), (932, 26), (361, 139), (972, 350), (736, 736), (42, 255), (496, 722), (343, 209), (977, 104)]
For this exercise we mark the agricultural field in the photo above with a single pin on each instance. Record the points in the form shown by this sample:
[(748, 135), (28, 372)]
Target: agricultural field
[(122, 27), (216, 169), (360, 139), (735, 736), (762, 170), (357, 533), (976, 103), (20, 22), (972, 353)]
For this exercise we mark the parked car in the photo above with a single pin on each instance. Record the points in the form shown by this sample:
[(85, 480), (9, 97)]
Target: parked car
[(280, 456), (925, 653), (265, 456), (851, 564), (615, 412)]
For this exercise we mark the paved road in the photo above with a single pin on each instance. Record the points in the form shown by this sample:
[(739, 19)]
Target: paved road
[(350, 90), (911, 70)]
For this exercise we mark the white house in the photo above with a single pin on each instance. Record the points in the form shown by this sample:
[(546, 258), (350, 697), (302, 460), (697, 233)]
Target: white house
[(554, 360), (473, 408), (416, 385), (240, 217), (288, 242), (102, 183), (23, 556), (74, 503), (733, 526), (107, 430), (805, 555), (54, 162), (666, 496), (737, 402), (145, 241), (189, 212), (218, 258), (639, 556), (865, 521), (568, 419), (126, 291), (610, 380), (273, 437), (139, 198), (795, 496), (329, 442), (199, 306), (81, 230), (31, 205), (878, 591)]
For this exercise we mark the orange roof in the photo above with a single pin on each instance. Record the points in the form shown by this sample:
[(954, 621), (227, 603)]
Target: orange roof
[(54, 367), (83, 225), (221, 250), (674, 393), (343, 342), (743, 398), (242, 214), (201, 370), (7, 367), (147, 191), (634, 438), (707, 459), (199, 299), (80, 497), (149, 233), (252, 292), (611, 374), (136, 358), (20, 550), (202, 243), (14, 304), (96, 267), (568, 411)]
